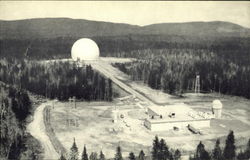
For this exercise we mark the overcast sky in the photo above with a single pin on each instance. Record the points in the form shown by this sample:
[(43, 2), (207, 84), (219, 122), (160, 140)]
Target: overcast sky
[(132, 12)]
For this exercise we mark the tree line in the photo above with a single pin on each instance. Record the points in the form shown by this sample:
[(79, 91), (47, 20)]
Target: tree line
[(218, 153), (61, 80), (161, 151), (174, 71), (15, 107), (118, 46)]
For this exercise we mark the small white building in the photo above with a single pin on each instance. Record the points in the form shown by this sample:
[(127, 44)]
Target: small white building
[(217, 108), (115, 115)]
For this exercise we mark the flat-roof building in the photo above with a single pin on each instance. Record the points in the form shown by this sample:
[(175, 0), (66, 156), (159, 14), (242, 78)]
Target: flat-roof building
[(168, 117)]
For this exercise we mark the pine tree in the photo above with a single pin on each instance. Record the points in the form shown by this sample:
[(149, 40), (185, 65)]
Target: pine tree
[(247, 152), (93, 156), (229, 150), (73, 152), (110, 90), (177, 155), (131, 156), (155, 149), (118, 155), (171, 156), (84, 153), (163, 150), (102, 156), (217, 152), (62, 157), (241, 156), (201, 153), (141, 155), (33, 155)]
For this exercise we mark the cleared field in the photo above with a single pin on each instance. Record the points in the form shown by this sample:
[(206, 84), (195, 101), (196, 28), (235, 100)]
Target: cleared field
[(97, 131), (96, 128)]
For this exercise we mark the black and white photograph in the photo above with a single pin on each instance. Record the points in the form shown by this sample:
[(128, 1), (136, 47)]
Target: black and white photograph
[(124, 80)]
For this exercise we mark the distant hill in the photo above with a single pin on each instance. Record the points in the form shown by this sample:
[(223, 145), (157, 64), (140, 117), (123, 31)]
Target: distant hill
[(61, 27), (66, 27), (214, 28)]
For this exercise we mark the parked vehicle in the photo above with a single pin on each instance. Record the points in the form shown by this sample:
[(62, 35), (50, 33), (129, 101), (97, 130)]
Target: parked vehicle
[(193, 130)]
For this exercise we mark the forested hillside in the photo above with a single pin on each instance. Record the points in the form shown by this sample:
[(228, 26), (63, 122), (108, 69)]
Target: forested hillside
[(16, 143), (62, 80), (118, 46), (50, 28), (174, 70), (60, 27)]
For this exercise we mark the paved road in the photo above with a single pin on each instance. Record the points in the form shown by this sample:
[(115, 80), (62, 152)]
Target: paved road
[(104, 68), (37, 129)]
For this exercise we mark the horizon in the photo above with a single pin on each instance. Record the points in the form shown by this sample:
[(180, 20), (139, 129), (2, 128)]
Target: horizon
[(128, 12), (123, 23)]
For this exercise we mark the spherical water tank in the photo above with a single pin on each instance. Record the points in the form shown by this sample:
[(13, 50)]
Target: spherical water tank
[(85, 49)]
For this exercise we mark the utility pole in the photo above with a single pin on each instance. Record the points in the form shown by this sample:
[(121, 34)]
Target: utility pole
[(74, 99), (46, 88), (19, 76), (67, 119)]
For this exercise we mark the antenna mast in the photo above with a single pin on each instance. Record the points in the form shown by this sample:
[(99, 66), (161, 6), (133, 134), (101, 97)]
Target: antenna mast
[(197, 84)]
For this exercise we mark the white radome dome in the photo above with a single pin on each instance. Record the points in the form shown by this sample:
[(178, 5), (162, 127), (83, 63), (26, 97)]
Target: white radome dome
[(85, 49), (217, 104)]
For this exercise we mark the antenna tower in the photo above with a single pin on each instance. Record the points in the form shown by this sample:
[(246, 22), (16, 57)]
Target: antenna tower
[(197, 84)]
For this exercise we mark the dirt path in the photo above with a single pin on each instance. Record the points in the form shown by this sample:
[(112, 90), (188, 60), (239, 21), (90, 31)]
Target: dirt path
[(37, 129)]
